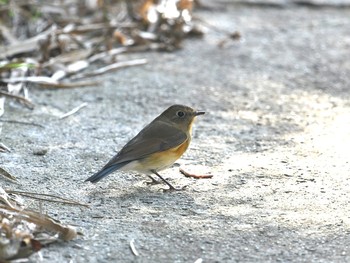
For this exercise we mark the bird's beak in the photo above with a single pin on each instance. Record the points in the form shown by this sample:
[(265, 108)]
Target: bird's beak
[(196, 113)]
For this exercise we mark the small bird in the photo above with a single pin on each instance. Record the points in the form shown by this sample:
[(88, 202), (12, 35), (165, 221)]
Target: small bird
[(156, 147)]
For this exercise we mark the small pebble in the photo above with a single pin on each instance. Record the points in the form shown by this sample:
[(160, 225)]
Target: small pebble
[(40, 151)]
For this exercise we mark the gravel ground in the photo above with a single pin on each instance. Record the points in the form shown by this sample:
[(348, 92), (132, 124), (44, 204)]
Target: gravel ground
[(276, 138)]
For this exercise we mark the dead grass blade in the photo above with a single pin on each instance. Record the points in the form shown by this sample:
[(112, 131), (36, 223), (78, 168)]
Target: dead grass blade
[(32, 79), (6, 199), (24, 231), (3, 147), (2, 105), (66, 232), (28, 103), (71, 85), (23, 123), (51, 198), (109, 53), (115, 66), (7, 175)]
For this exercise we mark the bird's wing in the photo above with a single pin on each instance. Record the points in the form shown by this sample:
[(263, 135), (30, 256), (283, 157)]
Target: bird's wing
[(156, 137)]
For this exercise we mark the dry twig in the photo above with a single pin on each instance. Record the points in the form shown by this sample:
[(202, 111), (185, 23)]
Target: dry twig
[(203, 176), (76, 109)]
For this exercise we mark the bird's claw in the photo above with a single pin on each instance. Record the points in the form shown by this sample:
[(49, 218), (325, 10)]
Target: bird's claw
[(153, 181)]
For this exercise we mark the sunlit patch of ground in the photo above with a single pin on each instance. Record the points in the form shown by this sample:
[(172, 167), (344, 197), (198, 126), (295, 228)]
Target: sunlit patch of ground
[(304, 186)]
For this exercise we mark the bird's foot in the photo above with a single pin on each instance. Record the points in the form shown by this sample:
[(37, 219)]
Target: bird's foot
[(171, 188), (153, 181)]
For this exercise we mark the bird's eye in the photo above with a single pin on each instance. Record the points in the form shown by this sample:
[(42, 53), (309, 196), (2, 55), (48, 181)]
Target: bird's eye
[(180, 114)]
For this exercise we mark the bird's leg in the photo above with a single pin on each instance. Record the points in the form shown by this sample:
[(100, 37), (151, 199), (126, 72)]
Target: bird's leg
[(154, 181), (165, 181)]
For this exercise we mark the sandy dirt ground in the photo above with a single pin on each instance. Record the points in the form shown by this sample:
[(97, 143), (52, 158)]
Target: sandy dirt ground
[(276, 138)]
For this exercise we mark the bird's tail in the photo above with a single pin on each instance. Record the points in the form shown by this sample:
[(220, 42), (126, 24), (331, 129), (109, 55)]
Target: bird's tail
[(104, 172)]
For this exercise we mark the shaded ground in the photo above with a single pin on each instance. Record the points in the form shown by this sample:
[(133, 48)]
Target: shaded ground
[(275, 138)]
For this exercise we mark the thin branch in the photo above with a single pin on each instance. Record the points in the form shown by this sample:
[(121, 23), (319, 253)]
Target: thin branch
[(187, 174), (76, 109)]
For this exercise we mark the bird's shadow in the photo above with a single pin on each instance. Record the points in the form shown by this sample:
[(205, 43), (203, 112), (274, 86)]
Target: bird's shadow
[(141, 197)]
